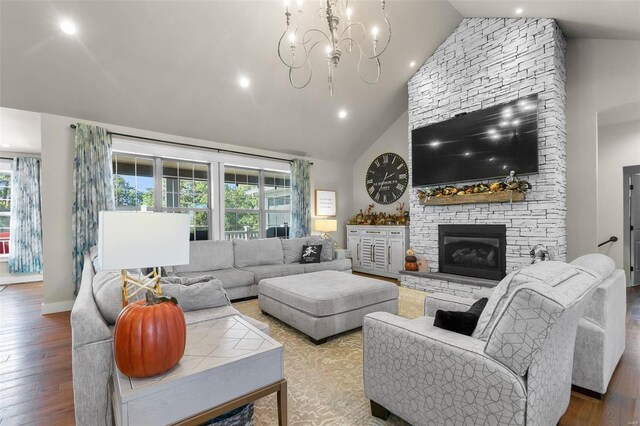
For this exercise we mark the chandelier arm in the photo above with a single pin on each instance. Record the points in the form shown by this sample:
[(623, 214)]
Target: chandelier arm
[(307, 55), (378, 68), (313, 30), (353, 24)]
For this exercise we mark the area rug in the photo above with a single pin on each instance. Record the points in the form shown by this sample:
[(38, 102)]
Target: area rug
[(325, 381)]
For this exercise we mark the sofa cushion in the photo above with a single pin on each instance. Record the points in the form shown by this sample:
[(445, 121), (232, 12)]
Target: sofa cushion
[(597, 263), (230, 277), (327, 247), (550, 273), (266, 251), (107, 292), (195, 293), (334, 265), (207, 255), (327, 293), (292, 249), (270, 271)]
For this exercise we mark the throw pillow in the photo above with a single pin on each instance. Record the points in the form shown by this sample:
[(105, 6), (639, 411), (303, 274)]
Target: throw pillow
[(327, 247), (194, 294), (311, 254), (460, 322)]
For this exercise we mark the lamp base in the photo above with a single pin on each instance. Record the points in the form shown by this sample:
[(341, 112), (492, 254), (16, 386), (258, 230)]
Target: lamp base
[(328, 237), (151, 281)]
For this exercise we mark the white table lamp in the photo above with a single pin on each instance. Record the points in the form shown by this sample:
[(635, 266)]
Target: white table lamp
[(132, 240)]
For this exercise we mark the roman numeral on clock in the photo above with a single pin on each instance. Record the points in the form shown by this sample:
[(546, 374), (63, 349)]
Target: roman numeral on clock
[(371, 189)]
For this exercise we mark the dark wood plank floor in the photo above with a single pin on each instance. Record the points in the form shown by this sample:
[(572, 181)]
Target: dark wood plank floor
[(35, 360), (35, 367)]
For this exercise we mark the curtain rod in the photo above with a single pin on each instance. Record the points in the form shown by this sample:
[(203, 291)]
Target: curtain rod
[(268, 157)]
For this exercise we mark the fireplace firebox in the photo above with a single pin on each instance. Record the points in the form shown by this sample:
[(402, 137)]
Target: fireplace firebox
[(473, 250)]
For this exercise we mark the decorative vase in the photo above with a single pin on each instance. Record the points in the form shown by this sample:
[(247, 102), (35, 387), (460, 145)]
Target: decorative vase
[(150, 336)]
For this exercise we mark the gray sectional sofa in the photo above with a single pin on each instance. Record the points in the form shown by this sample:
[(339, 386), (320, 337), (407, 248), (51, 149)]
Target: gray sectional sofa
[(241, 264)]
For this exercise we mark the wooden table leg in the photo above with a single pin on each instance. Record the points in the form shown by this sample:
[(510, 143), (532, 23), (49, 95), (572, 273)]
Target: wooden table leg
[(282, 404)]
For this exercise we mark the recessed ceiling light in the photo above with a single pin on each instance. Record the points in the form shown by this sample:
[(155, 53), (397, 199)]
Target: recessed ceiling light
[(342, 113), (244, 82), (435, 143), (412, 63), (519, 11), (466, 154), (68, 27)]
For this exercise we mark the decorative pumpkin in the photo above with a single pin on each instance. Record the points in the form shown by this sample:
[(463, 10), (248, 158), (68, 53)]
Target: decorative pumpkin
[(150, 336)]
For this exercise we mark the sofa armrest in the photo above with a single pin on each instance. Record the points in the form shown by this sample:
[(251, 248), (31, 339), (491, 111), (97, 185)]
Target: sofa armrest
[(423, 374), (87, 324), (446, 302), (339, 254)]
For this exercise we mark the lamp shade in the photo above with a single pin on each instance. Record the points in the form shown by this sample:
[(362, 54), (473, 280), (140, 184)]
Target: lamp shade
[(326, 225), (129, 240)]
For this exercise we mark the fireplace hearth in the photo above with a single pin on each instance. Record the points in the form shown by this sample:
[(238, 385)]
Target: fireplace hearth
[(473, 250)]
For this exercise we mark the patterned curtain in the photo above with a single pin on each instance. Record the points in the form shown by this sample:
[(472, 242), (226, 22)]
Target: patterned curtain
[(25, 241), (93, 190), (300, 199)]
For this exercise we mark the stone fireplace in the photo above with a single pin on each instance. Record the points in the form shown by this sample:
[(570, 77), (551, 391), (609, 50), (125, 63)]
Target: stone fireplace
[(472, 250), (486, 62)]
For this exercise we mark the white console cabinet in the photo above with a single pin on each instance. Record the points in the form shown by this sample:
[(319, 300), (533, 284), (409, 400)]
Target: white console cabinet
[(378, 250)]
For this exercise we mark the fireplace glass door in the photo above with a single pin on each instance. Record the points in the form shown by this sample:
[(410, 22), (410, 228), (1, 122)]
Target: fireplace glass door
[(473, 250)]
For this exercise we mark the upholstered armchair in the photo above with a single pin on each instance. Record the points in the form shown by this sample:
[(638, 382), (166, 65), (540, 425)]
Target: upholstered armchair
[(600, 339), (520, 373)]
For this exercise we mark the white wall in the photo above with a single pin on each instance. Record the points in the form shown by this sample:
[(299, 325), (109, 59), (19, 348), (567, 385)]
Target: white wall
[(601, 74), (57, 196), (618, 146), (394, 139)]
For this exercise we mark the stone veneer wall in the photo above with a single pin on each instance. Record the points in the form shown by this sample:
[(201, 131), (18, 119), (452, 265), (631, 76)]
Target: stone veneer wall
[(484, 62)]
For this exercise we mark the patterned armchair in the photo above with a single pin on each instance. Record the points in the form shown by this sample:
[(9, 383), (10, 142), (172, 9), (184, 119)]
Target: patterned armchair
[(518, 373)]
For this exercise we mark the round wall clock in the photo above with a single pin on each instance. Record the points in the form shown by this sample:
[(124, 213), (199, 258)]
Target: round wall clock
[(387, 178)]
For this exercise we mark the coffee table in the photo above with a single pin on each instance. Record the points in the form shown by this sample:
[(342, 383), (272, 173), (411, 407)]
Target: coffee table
[(227, 363), (325, 303)]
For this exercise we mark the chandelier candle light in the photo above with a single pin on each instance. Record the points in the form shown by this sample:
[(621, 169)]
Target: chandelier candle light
[(343, 35)]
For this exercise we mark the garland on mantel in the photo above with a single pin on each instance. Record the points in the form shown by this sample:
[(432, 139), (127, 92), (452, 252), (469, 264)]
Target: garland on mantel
[(510, 183), (369, 217)]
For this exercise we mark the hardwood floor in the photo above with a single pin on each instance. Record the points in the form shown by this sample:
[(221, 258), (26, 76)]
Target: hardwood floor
[(35, 360), (35, 367)]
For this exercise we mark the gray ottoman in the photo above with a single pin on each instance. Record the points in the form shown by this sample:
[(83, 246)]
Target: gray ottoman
[(325, 303)]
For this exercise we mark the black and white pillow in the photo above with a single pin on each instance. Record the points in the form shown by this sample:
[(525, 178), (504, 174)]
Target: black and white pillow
[(311, 254)]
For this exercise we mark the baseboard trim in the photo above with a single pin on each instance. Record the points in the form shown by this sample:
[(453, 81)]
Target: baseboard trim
[(52, 308), (20, 279)]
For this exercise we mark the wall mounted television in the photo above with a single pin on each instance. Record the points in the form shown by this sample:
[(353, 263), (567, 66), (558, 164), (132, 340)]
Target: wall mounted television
[(482, 144)]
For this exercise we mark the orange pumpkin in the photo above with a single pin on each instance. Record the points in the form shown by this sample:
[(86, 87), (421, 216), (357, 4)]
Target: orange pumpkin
[(150, 336)]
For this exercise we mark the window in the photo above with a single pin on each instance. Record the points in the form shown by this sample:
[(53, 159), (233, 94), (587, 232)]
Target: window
[(242, 203), (133, 182), (277, 203), (257, 203), (5, 211), (183, 187)]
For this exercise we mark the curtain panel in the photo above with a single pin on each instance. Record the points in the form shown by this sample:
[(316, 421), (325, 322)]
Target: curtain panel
[(93, 190), (25, 240), (300, 199)]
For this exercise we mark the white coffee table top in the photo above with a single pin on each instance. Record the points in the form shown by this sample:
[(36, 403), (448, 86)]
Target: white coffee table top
[(215, 344)]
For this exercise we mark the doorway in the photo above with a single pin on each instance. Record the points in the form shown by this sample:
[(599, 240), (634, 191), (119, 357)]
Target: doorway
[(631, 179)]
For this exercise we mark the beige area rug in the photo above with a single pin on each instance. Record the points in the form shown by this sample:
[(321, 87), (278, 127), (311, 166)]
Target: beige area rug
[(325, 381)]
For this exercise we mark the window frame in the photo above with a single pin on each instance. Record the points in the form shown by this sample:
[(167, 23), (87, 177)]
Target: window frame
[(262, 211), (8, 172)]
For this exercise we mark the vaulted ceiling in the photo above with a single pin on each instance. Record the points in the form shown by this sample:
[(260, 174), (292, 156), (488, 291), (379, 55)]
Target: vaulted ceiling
[(173, 66)]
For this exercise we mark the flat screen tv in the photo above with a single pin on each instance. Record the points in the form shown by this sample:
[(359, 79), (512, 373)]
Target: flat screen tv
[(483, 144)]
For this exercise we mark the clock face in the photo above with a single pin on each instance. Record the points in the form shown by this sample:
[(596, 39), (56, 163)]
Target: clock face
[(387, 178)]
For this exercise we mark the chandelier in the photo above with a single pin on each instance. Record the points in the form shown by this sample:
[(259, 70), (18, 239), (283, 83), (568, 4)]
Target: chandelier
[(343, 35)]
